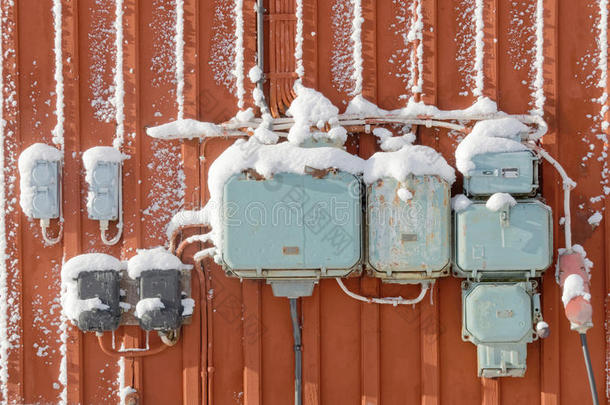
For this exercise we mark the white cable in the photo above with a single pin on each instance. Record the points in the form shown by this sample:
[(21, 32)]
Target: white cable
[(425, 285), (44, 225), (568, 185), (117, 237)]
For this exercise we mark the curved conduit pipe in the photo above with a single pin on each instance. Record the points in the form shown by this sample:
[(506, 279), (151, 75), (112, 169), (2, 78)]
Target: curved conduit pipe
[(389, 301), (568, 185), (129, 353)]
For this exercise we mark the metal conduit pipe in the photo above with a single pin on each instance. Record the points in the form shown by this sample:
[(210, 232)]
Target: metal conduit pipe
[(298, 354)]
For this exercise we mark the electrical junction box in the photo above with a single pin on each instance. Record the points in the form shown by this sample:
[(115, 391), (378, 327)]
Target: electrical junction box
[(45, 179), (512, 243), (104, 191), (508, 172), (499, 318), (292, 226), (102, 284), (409, 239), (164, 285)]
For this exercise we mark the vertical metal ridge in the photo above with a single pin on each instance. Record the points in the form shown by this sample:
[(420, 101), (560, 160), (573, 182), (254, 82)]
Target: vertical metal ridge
[(252, 344), (16, 361), (72, 194), (550, 379)]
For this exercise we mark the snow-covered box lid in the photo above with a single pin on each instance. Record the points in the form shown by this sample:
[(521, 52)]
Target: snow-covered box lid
[(490, 136), (154, 259), (27, 161), (89, 262)]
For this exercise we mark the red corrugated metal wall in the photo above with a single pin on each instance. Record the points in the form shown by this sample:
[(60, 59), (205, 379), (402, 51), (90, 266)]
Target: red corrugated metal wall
[(242, 354)]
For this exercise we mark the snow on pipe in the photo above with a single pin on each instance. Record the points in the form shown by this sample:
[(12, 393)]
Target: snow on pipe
[(174, 130), (179, 39), (425, 285)]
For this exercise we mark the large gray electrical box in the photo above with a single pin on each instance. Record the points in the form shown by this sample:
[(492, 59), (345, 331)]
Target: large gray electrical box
[(105, 189), (103, 284), (45, 180), (165, 285), (499, 318)]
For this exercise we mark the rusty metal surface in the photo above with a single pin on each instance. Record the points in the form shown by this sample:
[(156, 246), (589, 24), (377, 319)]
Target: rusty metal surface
[(238, 348)]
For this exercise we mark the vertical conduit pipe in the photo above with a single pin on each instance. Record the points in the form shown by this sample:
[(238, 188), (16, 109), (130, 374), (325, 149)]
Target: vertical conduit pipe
[(298, 356)]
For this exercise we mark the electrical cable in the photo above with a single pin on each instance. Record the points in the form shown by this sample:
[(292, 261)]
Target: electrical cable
[(425, 285), (585, 352), (568, 185), (44, 225), (298, 354)]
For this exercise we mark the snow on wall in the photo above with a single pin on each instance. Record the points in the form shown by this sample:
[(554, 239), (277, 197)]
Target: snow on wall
[(341, 63), (119, 82), (4, 343), (103, 50), (163, 63), (400, 57), (167, 192), (521, 35), (222, 53), (179, 40), (465, 44)]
